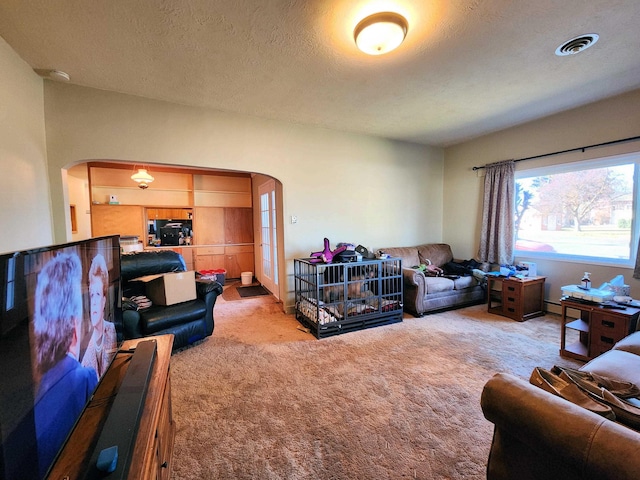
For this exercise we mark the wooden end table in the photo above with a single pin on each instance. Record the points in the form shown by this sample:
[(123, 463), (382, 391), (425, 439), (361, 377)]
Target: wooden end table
[(598, 327), (517, 298)]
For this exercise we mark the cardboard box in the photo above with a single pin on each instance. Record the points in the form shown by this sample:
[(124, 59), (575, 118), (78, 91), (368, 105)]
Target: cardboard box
[(170, 288)]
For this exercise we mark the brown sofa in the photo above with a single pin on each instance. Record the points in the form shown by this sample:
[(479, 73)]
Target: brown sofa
[(541, 436), (423, 294)]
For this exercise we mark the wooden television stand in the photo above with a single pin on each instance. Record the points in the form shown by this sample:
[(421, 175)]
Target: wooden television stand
[(153, 447)]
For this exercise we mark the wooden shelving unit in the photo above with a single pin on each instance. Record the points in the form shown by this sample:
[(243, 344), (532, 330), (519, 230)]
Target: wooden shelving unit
[(219, 205), (168, 188), (221, 191)]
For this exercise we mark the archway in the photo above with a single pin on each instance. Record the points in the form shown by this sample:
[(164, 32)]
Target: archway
[(82, 198)]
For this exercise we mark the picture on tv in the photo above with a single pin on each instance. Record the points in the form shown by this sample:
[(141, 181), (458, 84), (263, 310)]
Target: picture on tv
[(60, 325)]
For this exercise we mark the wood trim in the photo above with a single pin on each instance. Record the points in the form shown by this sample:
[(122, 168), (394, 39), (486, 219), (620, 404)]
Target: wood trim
[(154, 167)]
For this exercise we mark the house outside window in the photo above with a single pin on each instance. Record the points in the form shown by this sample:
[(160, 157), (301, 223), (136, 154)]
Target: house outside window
[(582, 211)]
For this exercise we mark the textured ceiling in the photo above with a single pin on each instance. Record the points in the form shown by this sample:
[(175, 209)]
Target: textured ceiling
[(467, 68)]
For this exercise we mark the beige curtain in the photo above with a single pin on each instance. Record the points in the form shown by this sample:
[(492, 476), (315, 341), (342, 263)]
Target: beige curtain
[(497, 235), (636, 271)]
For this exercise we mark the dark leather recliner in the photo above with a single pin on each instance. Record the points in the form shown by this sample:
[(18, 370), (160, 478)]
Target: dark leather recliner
[(187, 321)]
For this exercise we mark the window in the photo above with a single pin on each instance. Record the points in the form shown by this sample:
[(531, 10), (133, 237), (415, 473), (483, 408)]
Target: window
[(579, 211)]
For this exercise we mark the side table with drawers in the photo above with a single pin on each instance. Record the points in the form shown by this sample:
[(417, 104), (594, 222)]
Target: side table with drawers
[(516, 298), (594, 328)]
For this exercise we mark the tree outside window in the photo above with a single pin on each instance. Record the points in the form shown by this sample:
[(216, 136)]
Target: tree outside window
[(586, 212)]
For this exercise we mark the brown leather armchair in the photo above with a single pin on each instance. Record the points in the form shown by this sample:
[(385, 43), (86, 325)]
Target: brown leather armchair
[(540, 436)]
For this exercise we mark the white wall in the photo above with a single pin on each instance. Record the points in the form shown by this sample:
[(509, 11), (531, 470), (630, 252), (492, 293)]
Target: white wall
[(600, 122), (349, 188), (24, 184), (78, 192)]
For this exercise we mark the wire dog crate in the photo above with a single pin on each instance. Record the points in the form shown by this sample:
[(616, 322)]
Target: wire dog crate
[(338, 298)]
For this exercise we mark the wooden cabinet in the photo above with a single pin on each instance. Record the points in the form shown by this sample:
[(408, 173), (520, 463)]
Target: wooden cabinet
[(593, 328), (209, 258), (238, 259), (238, 225), (223, 225), (235, 259), (209, 226), (163, 448), (121, 220), (226, 236), (169, 213), (219, 205), (516, 298), (153, 447)]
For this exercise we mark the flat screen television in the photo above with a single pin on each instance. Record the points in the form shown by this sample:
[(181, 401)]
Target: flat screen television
[(60, 328)]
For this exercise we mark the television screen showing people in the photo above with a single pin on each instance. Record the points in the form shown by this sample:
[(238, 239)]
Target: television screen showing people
[(99, 351), (58, 336)]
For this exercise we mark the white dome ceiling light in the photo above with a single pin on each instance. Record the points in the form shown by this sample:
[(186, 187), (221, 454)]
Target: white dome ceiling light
[(380, 33), (577, 44)]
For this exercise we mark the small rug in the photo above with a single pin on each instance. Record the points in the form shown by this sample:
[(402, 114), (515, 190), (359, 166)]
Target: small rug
[(252, 291)]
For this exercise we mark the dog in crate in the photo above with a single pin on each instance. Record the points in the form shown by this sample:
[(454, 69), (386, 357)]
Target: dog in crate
[(358, 277), (333, 283)]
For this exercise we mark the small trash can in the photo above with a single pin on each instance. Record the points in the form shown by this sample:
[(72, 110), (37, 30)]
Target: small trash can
[(246, 278)]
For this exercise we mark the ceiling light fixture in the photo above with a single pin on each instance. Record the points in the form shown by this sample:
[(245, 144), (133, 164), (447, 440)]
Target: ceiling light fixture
[(59, 75), (142, 177), (380, 33), (577, 44)]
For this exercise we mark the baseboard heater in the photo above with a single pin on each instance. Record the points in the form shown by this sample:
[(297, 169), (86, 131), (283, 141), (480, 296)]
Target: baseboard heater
[(111, 457)]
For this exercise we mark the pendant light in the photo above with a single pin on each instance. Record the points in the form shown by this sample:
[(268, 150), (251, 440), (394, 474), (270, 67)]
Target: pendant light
[(142, 177)]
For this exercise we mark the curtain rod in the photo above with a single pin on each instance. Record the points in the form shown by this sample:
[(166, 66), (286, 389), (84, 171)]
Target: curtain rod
[(582, 149)]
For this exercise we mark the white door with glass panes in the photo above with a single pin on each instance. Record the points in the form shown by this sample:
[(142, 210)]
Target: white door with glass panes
[(268, 237)]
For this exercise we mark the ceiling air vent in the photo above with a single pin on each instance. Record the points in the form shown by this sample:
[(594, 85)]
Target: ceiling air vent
[(577, 44)]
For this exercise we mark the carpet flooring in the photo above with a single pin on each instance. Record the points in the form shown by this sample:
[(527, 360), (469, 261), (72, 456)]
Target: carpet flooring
[(261, 399)]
